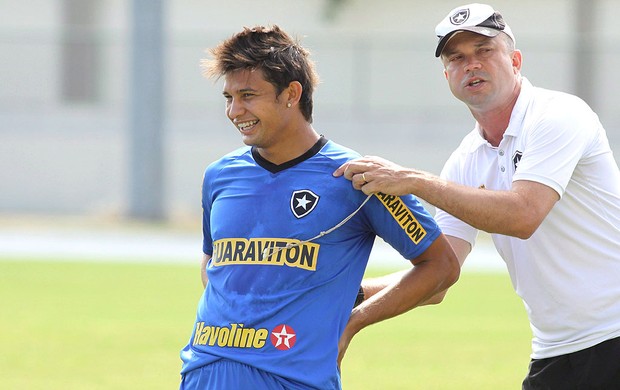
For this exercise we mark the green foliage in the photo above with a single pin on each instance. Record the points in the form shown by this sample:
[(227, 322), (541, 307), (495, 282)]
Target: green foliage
[(94, 325)]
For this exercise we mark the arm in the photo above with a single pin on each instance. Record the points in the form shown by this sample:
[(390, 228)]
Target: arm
[(461, 249), (372, 286), (203, 269), (433, 271), (528, 202)]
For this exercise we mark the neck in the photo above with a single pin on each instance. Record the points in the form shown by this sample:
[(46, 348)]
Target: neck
[(493, 125), (494, 122), (289, 148)]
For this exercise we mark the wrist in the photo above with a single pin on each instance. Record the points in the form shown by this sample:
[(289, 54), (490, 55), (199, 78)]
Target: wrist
[(360, 297)]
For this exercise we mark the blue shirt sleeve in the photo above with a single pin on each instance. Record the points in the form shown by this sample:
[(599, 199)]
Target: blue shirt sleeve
[(402, 222)]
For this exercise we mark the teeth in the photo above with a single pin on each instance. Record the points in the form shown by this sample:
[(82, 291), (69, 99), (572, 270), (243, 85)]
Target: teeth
[(475, 82), (243, 125)]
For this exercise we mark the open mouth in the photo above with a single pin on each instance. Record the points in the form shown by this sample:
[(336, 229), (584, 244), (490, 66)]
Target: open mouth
[(475, 83), (246, 126)]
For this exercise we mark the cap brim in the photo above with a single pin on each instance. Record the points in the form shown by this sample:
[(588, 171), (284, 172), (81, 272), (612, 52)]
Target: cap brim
[(486, 31)]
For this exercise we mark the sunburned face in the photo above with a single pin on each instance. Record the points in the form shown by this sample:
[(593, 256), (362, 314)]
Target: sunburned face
[(254, 109), (481, 71)]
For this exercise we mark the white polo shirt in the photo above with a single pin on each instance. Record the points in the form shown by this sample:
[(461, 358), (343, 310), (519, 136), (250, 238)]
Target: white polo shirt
[(568, 272)]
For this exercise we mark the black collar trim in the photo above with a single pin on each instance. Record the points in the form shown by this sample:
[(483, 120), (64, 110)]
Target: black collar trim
[(273, 168)]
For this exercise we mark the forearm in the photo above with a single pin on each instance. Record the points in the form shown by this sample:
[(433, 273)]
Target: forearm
[(405, 291), (436, 269), (527, 202), (483, 209), (371, 286)]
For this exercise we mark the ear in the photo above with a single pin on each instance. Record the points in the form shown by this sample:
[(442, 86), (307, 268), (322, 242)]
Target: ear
[(292, 94), (517, 60), (445, 73)]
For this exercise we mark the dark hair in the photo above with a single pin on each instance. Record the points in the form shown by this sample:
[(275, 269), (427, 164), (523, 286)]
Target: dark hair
[(271, 50)]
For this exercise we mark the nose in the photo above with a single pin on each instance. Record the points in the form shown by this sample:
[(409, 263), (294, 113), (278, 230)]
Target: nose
[(472, 64), (233, 108)]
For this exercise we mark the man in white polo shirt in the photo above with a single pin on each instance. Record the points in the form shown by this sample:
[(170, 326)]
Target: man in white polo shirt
[(538, 174)]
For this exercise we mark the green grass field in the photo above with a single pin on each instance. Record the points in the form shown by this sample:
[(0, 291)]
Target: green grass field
[(94, 325)]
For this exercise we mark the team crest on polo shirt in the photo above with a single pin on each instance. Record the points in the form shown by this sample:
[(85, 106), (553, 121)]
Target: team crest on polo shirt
[(516, 158), (303, 202)]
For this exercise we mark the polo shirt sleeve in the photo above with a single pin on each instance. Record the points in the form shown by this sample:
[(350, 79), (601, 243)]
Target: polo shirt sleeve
[(558, 137)]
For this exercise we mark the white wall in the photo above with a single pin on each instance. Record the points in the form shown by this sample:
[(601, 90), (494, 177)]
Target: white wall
[(382, 90)]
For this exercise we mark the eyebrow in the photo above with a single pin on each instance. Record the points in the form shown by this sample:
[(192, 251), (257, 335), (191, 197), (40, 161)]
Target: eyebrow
[(480, 41), (243, 90)]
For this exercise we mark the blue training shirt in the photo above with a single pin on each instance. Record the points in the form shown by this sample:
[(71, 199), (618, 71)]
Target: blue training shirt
[(285, 312)]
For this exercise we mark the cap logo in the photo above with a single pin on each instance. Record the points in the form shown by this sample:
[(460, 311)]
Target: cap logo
[(460, 17)]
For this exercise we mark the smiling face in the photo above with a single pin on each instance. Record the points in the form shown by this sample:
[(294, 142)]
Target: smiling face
[(482, 72), (255, 110)]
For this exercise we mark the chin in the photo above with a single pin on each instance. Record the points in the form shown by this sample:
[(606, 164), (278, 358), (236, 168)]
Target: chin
[(249, 141)]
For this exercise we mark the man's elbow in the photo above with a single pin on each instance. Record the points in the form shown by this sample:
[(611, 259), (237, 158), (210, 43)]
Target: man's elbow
[(523, 234), (454, 272), (524, 224), (451, 274), (436, 299), (524, 230)]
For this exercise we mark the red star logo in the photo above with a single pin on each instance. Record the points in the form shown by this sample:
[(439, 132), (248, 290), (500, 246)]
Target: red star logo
[(283, 337)]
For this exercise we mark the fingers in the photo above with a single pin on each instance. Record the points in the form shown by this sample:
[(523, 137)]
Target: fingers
[(362, 172), (358, 172), (359, 180), (340, 171), (352, 168), (358, 165)]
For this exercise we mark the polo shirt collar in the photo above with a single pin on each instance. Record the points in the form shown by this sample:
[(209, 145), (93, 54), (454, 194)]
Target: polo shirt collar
[(515, 126)]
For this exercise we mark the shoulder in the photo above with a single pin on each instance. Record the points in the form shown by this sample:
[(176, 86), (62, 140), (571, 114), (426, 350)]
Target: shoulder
[(336, 154), (555, 114), (550, 96), (470, 144), (239, 156), (466, 158), (561, 107)]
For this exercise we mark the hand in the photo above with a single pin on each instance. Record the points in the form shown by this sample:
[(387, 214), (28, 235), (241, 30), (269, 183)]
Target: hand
[(372, 174)]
